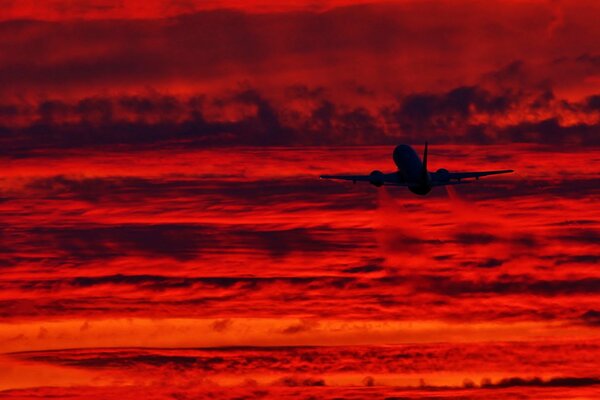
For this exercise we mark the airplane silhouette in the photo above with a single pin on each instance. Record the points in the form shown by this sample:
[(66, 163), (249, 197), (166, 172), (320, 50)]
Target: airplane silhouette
[(412, 173)]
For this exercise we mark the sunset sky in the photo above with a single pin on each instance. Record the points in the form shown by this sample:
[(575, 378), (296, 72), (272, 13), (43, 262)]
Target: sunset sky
[(164, 233)]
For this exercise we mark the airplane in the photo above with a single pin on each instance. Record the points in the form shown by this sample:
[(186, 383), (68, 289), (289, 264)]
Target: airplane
[(412, 173)]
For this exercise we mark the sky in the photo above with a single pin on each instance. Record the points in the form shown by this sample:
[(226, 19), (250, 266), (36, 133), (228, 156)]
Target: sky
[(164, 233)]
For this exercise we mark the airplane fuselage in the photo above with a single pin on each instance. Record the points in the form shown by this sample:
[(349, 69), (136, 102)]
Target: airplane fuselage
[(410, 169)]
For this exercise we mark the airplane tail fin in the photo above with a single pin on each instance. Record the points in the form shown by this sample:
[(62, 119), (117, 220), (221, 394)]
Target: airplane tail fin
[(425, 176)]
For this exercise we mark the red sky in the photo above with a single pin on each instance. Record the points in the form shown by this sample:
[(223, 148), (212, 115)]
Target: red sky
[(163, 231)]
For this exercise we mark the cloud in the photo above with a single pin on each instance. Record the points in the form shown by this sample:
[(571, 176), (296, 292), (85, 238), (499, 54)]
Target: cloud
[(508, 285), (232, 77), (159, 183), (221, 325), (552, 131), (413, 359), (211, 232), (490, 263), (593, 103), (176, 241), (536, 381), (294, 381), (591, 317), (363, 269), (303, 326), (250, 117), (419, 112), (577, 259), (162, 49)]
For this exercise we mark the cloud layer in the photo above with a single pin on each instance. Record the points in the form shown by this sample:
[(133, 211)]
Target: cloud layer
[(163, 232), (354, 74)]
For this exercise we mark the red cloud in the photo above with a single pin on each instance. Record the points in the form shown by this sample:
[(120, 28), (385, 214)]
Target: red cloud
[(158, 189)]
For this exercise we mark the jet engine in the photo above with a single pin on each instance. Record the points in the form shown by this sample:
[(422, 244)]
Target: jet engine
[(442, 175), (376, 178)]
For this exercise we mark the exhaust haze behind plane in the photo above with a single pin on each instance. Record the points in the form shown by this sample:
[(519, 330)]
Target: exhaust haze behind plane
[(412, 173)]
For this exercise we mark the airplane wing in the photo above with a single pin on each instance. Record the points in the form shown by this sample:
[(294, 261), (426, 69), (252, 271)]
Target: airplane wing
[(453, 178), (375, 178), (476, 175)]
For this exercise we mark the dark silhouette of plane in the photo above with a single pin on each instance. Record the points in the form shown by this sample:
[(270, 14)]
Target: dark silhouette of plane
[(412, 173)]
